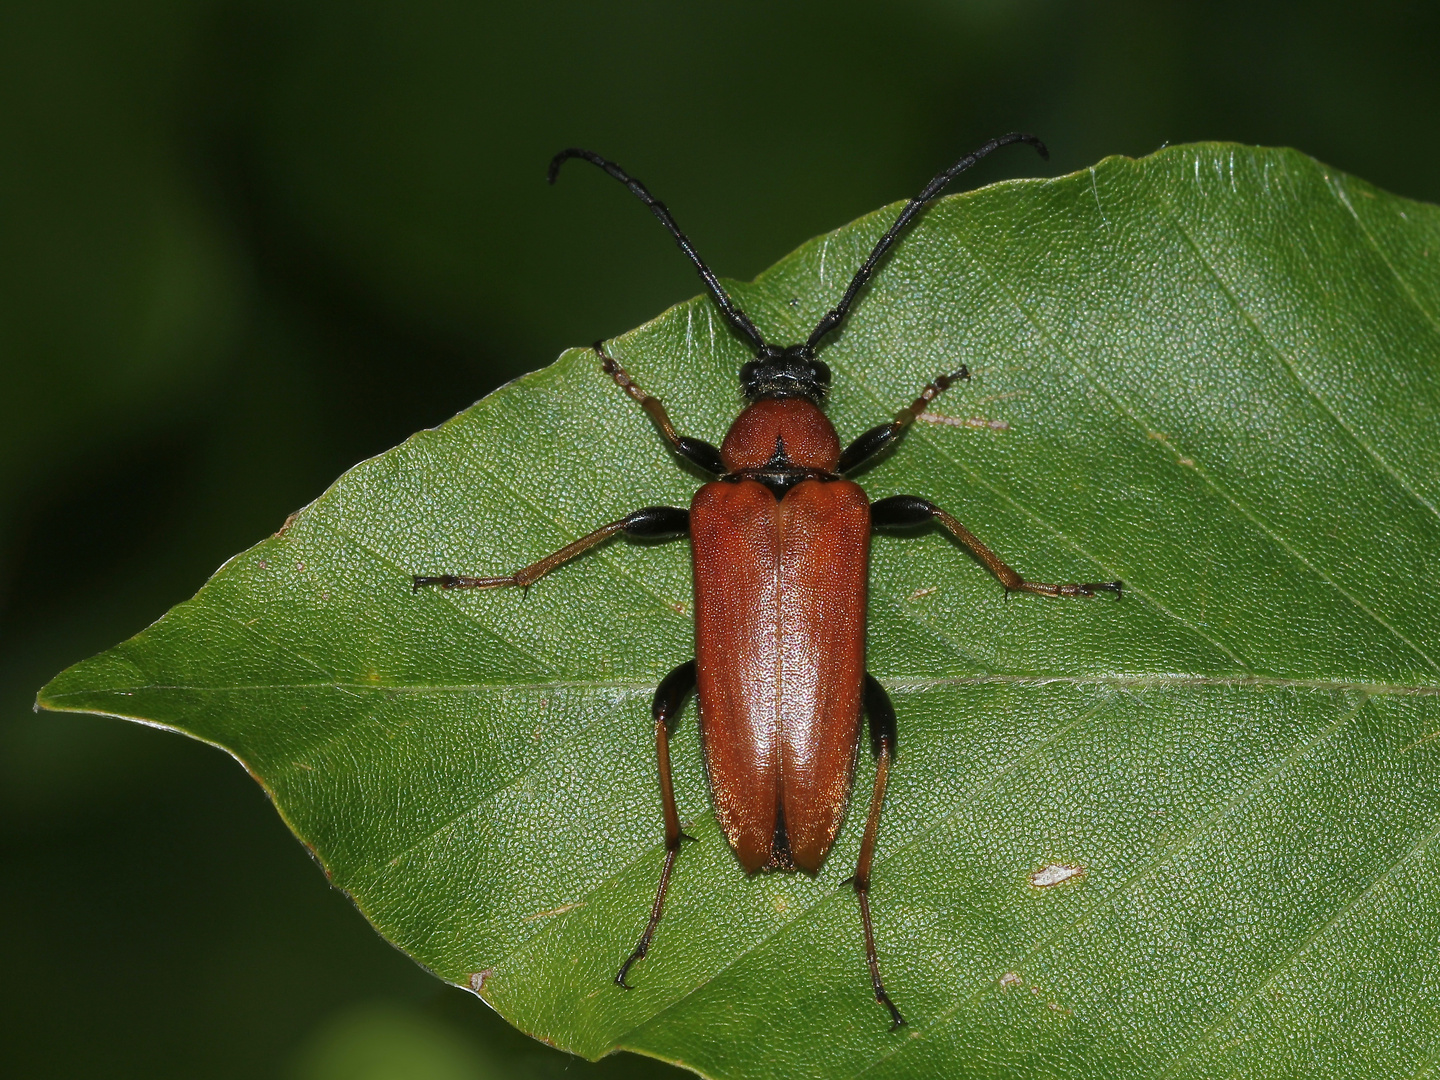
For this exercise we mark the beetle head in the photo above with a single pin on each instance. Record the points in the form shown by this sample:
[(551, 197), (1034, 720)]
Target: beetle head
[(785, 373)]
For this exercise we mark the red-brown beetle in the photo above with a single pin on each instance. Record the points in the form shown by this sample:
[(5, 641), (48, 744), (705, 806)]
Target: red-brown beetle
[(781, 544)]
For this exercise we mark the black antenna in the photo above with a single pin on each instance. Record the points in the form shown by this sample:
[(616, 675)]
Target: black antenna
[(836, 315), (727, 306)]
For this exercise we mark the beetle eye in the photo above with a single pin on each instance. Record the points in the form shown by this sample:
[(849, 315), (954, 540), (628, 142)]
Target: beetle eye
[(822, 372)]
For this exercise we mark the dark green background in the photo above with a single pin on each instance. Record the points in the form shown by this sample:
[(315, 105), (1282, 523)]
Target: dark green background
[(247, 244)]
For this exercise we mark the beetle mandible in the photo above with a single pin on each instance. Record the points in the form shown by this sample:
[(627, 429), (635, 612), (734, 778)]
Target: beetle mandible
[(780, 544)]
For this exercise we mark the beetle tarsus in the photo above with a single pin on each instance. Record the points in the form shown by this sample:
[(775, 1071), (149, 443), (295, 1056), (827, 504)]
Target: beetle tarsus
[(638, 954), (1089, 588), (862, 893), (641, 950), (896, 1020)]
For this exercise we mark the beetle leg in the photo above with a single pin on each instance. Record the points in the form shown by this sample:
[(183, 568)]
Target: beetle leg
[(883, 435), (696, 451), (652, 522), (669, 697), (881, 714), (902, 510)]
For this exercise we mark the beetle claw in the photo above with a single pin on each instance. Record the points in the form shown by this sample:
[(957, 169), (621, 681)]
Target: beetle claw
[(896, 1020), (625, 970), (1116, 587)]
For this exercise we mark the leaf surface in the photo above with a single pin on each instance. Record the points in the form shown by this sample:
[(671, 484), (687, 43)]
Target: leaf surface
[(1189, 834)]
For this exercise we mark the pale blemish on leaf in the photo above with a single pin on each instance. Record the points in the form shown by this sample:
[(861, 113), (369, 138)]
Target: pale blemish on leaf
[(1054, 874), (555, 911), (964, 421)]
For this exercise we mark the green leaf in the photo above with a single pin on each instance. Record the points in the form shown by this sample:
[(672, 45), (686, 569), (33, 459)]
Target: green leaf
[(1211, 373)]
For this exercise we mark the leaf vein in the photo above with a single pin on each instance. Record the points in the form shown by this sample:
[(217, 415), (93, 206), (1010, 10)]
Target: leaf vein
[(1338, 190), (1125, 409), (899, 684), (1293, 369)]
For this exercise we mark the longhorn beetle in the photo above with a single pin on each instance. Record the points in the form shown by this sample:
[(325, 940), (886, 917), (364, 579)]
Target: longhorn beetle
[(780, 541)]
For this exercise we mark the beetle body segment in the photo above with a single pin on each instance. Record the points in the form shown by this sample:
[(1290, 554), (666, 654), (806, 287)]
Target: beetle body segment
[(781, 550), (780, 591), (793, 429)]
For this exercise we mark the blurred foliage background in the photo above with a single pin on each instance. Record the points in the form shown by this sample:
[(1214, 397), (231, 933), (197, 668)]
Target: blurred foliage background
[(246, 244)]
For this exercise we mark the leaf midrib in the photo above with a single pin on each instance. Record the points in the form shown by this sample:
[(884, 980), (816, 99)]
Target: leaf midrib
[(900, 685)]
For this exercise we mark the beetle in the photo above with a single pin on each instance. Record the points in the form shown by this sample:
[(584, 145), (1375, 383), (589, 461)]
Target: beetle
[(780, 542)]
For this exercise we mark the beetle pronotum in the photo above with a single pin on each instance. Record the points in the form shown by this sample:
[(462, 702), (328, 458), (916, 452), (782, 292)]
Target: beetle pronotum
[(780, 542)]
